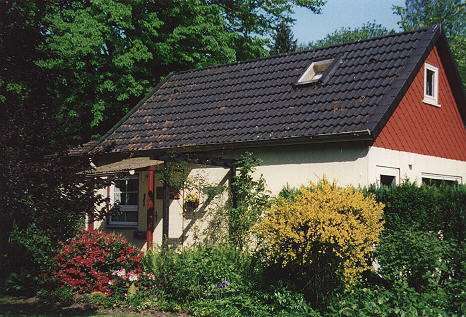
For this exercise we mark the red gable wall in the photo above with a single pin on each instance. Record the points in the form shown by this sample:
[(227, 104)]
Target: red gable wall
[(425, 129)]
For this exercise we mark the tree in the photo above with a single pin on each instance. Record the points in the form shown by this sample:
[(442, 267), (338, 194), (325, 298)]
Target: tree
[(451, 14), (284, 41), (107, 54), (348, 35), (45, 195)]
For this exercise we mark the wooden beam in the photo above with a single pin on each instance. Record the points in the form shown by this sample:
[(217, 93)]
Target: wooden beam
[(165, 214), (234, 198), (150, 207), (90, 221), (195, 159)]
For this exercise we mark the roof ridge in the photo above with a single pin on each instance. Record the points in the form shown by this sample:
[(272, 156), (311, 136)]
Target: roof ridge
[(432, 28)]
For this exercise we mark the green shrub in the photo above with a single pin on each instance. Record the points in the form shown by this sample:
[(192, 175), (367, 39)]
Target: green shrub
[(418, 257), (219, 281), (423, 243), (198, 272), (381, 302), (436, 209), (251, 199), (33, 251)]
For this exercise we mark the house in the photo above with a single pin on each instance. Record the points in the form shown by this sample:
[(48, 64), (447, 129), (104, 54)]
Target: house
[(371, 112)]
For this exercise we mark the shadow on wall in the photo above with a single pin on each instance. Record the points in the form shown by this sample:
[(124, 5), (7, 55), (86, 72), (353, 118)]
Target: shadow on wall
[(196, 216)]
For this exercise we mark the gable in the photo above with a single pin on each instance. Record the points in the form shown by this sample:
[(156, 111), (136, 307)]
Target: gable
[(422, 128)]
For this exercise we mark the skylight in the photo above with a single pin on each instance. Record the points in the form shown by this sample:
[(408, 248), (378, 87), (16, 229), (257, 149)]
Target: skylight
[(315, 71)]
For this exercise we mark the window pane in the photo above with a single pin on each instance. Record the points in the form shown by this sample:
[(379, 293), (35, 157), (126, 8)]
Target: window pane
[(131, 199), (430, 83), (117, 198), (438, 182), (118, 216), (120, 185), (132, 216), (387, 180), (133, 185)]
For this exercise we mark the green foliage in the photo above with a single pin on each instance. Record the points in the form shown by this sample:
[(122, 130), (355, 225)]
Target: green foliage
[(451, 14), (288, 193), (107, 54), (197, 272), (174, 173), (62, 295), (283, 41), (347, 35), (419, 257), (429, 208), (423, 244), (219, 281), (36, 245), (251, 199), (377, 301)]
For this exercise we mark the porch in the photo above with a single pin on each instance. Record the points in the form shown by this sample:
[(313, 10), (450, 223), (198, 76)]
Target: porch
[(148, 211)]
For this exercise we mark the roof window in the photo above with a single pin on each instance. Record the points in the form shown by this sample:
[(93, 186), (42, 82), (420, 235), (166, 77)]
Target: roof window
[(315, 71)]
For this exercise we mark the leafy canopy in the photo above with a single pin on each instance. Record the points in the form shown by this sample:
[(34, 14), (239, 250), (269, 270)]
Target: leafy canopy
[(106, 54), (451, 14), (284, 41), (348, 35)]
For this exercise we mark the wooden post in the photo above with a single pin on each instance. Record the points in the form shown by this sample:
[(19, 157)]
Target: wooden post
[(150, 207), (234, 198), (165, 212), (90, 221)]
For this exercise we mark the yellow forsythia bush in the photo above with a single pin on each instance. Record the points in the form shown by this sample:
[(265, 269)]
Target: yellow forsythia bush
[(322, 218)]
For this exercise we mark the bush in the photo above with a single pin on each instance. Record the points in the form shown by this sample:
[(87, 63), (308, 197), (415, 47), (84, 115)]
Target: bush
[(423, 243), (378, 301), (30, 257), (325, 232), (251, 199), (198, 272), (98, 261), (436, 209), (418, 257), (219, 281)]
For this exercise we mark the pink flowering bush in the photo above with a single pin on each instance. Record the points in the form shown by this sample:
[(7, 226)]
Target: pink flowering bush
[(97, 261)]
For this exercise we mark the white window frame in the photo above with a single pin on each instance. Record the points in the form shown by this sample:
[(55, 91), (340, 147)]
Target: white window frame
[(431, 100), (124, 208), (311, 75), (443, 177), (388, 171)]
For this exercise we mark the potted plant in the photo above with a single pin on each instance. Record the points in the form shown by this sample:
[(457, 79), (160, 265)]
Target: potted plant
[(191, 201)]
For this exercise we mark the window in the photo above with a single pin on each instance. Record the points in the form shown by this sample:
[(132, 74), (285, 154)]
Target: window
[(440, 180), (125, 198), (315, 71), (431, 85), (387, 180)]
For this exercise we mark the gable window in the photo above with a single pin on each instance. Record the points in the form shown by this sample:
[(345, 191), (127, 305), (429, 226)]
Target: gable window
[(431, 85), (315, 71), (125, 198)]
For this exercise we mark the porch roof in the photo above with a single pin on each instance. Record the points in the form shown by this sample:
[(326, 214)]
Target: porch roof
[(134, 163)]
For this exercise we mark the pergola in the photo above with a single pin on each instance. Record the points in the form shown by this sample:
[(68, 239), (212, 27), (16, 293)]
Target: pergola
[(143, 161)]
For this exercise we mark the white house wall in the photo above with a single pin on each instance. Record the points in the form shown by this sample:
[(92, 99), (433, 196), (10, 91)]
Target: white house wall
[(347, 164), (414, 166)]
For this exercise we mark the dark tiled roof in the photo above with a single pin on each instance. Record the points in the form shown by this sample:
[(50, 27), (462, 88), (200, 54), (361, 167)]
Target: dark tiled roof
[(258, 101)]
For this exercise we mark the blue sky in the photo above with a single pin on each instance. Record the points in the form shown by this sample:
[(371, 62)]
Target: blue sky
[(343, 13)]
